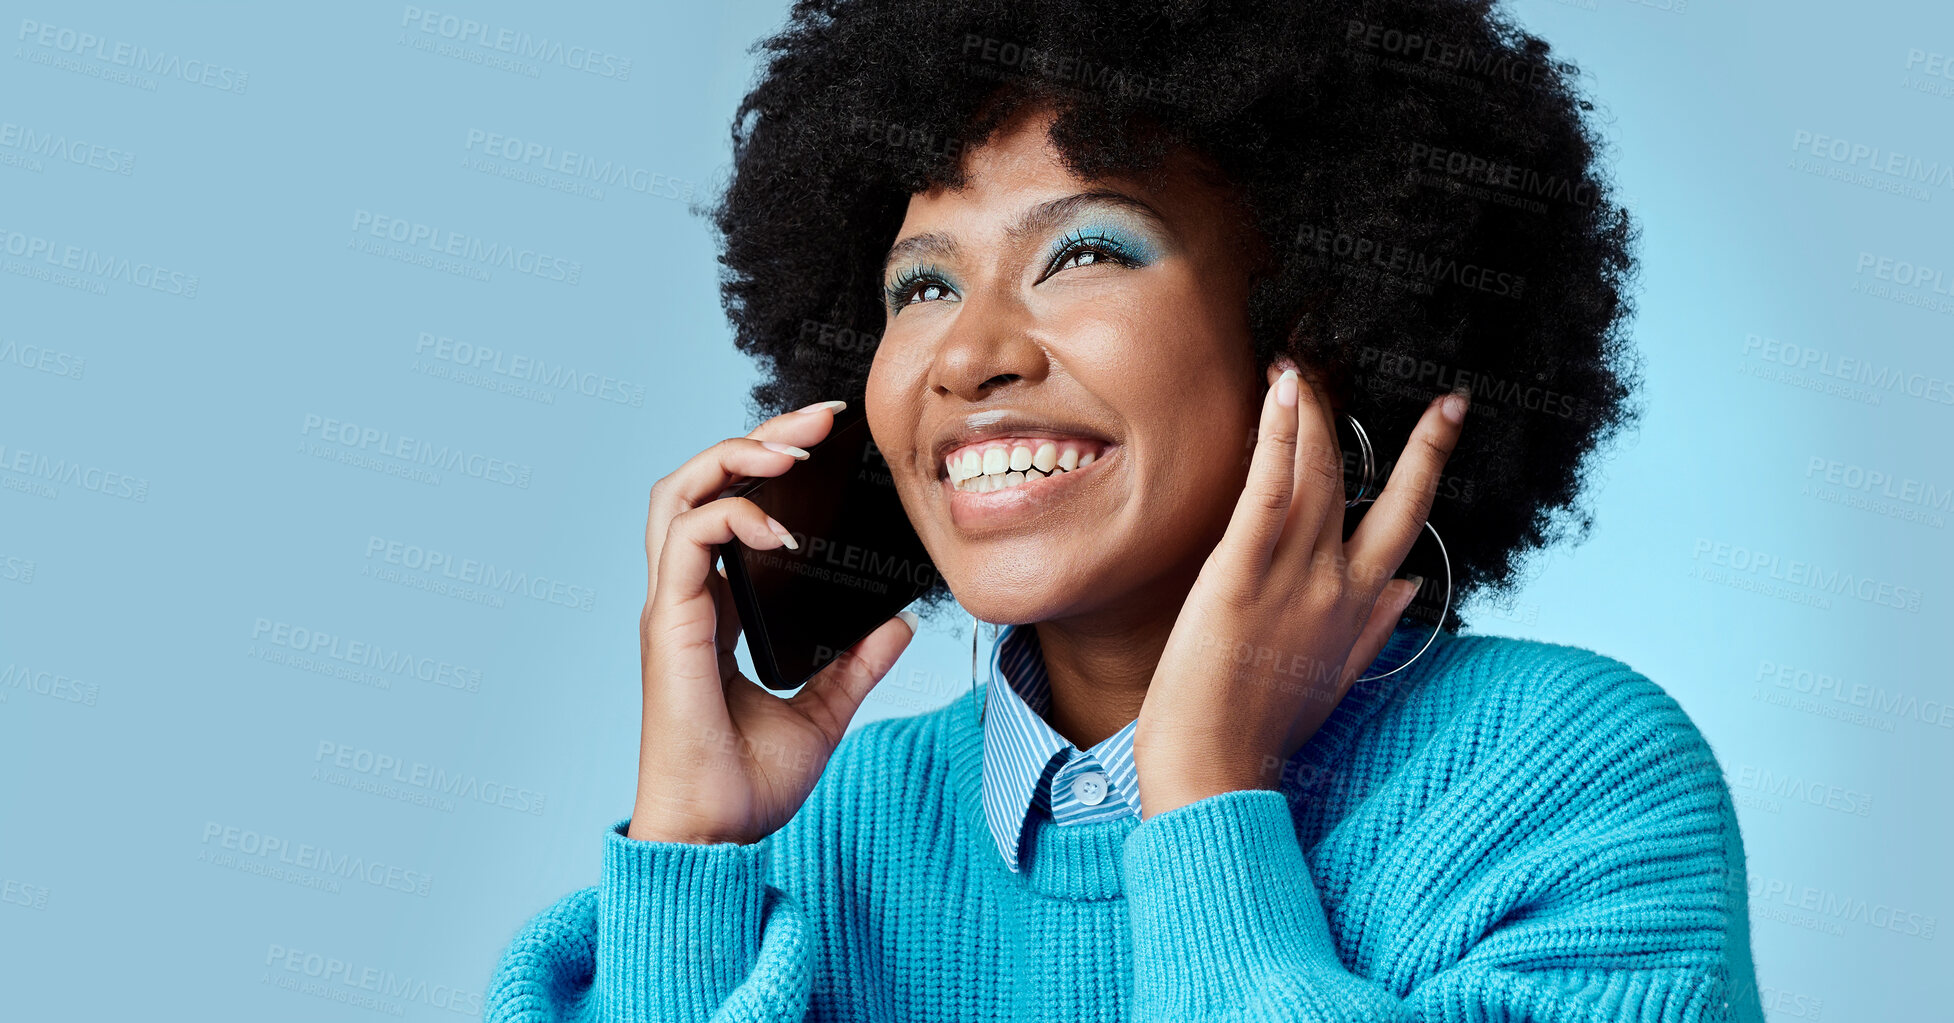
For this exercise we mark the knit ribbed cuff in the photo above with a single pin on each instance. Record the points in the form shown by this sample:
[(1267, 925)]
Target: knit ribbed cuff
[(1225, 876), (679, 924)]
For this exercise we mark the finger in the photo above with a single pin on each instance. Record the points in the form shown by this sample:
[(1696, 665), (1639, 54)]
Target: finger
[(1263, 508), (727, 632), (1316, 513), (682, 618), (1391, 602), (1390, 528), (793, 428), (711, 473), (832, 696)]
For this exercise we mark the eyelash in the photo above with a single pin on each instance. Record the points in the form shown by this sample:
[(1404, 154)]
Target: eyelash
[(901, 289), (1077, 242)]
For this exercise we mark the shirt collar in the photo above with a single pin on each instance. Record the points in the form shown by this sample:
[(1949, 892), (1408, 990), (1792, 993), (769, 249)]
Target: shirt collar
[(1019, 746)]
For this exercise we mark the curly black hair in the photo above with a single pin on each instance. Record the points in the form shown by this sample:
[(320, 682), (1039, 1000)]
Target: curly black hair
[(1424, 179)]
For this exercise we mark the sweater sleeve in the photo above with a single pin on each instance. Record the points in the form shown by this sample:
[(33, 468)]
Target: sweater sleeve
[(675, 931), (1584, 876)]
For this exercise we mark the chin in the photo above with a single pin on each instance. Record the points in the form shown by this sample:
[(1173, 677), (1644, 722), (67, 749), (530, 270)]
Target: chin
[(1002, 600)]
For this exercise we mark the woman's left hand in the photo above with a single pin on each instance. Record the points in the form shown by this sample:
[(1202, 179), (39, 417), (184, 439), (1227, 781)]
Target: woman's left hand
[(1285, 614)]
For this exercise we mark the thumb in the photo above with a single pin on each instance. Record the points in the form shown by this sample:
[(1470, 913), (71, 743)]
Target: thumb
[(841, 687)]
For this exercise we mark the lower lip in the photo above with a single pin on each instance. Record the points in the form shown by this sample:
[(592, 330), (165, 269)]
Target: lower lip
[(997, 509)]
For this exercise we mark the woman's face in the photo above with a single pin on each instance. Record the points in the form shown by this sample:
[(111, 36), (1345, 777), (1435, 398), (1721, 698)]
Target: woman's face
[(1094, 329)]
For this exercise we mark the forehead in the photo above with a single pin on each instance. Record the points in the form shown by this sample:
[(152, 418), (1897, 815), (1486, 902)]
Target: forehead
[(1018, 168)]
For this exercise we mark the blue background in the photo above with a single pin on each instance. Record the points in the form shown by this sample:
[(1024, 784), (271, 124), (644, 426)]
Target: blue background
[(160, 734)]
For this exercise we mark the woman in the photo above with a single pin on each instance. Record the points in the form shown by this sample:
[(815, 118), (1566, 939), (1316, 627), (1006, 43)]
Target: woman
[(1215, 772)]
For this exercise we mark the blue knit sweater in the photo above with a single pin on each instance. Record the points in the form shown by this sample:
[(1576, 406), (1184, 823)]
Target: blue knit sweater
[(1506, 830)]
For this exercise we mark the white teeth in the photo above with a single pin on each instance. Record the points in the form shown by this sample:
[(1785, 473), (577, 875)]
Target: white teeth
[(981, 469)]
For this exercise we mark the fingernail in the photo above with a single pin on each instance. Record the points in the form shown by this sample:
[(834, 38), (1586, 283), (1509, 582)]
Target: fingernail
[(908, 618), (781, 532), (1417, 583), (1454, 408), (1286, 389), (785, 449), (834, 406)]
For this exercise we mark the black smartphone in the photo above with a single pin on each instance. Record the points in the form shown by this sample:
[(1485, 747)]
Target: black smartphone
[(860, 561)]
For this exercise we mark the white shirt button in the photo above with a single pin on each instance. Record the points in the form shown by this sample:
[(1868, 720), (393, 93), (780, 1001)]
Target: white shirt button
[(1090, 788)]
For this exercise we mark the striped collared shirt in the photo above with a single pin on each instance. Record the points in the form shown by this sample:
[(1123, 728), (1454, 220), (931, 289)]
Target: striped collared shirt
[(1030, 767)]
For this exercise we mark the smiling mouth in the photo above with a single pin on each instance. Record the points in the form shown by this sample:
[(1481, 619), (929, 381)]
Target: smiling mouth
[(1006, 463)]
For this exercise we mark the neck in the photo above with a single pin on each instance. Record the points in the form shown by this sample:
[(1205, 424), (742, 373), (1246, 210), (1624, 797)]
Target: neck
[(1101, 664)]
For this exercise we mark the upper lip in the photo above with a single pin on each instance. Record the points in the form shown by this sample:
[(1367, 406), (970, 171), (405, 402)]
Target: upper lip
[(979, 426)]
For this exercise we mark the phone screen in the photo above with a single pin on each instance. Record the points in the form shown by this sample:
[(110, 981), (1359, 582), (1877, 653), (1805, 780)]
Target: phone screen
[(860, 561)]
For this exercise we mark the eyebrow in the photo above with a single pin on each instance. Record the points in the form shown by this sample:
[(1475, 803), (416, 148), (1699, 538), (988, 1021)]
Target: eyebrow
[(1038, 218)]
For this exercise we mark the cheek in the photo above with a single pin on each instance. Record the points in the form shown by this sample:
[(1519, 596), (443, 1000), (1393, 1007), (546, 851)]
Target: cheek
[(882, 393), (890, 398)]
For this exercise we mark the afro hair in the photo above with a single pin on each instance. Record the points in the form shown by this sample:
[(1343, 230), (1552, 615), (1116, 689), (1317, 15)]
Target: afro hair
[(1425, 180)]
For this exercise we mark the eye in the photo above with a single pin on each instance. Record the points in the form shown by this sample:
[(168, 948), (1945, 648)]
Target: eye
[(1087, 249), (917, 284)]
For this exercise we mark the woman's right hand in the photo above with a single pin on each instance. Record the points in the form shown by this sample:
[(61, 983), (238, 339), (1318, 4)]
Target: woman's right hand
[(721, 759)]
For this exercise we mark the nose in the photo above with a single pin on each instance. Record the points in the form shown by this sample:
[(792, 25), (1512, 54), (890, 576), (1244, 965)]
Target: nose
[(991, 346)]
